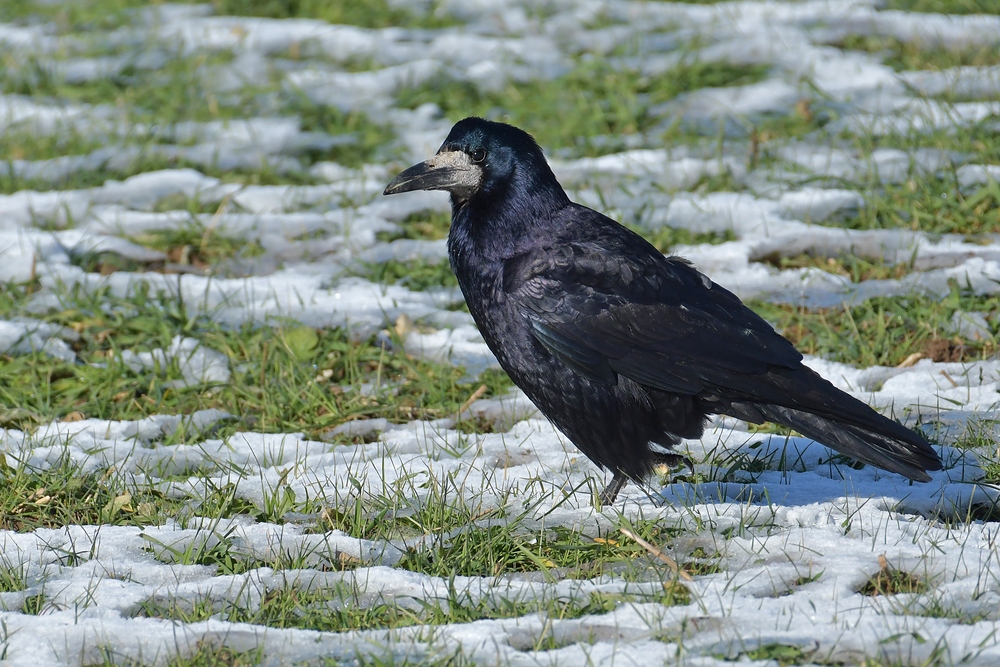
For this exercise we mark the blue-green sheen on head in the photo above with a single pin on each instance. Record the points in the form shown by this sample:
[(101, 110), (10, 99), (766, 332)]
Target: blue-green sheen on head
[(504, 152), (482, 159)]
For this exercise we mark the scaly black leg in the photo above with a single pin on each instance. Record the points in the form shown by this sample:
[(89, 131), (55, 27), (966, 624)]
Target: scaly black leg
[(610, 492)]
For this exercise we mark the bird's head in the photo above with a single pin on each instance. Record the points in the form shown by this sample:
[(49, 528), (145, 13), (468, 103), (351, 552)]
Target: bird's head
[(478, 157)]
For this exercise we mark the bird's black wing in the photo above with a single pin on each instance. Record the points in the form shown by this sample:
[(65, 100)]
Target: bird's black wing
[(621, 309), (655, 320)]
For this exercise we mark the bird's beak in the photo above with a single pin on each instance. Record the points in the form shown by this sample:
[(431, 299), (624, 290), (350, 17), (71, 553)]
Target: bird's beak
[(453, 171)]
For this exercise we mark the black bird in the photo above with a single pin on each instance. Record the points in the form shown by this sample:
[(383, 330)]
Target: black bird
[(624, 349)]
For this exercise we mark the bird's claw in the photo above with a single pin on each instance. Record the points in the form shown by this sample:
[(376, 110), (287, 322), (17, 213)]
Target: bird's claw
[(673, 461)]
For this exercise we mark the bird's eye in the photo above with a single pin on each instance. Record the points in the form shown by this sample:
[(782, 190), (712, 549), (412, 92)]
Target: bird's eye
[(478, 155)]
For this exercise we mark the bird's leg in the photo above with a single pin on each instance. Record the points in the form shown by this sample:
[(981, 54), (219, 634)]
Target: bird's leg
[(610, 492)]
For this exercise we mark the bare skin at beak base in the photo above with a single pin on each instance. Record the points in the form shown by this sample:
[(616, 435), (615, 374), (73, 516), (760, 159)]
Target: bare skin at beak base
[(453, 171)]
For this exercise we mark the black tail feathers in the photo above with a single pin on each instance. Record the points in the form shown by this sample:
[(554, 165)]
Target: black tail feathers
[(879, 441)]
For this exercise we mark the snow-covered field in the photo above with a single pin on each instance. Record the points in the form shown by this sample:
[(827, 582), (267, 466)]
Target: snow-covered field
[(782, 539)]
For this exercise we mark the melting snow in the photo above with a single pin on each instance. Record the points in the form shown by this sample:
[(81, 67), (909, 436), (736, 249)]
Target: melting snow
[(813, 519)]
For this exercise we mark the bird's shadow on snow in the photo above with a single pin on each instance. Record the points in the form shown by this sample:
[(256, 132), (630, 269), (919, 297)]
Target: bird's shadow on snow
[(791, 471)]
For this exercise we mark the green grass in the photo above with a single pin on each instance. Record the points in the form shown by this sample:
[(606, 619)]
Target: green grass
[(373, 140), (368, 14), (150, 102), (491, 552), (401, 511), (417, 274), (914, 55), (589, 109), (339, 609), (933, 204), (783, 654), (944, 6), (980, 436), (93, 15), (850, 266), (204, 655), (422, 225), (665, 238), (198, 245), (445, 658), (34, 605), (891, 581), (73, 17), (488, 551), (13, 577), (221, 552), (933, 607), (61, 495), (485, 552), (979, 142), (456, 544), (179, 91), (149, 160), (286, 378), (884, 331), (807, 119), (26, 145), (461, 538), (194, 245), (145, 162)]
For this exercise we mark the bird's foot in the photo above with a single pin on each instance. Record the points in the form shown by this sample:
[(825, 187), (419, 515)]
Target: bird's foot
[(618, 481), (611, 491), (672, 461)]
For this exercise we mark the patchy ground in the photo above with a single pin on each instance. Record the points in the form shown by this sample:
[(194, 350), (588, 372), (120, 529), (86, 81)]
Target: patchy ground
[(246, 419)]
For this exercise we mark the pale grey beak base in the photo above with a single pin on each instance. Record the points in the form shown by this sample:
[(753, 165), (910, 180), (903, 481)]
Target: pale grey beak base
[(452, 171)]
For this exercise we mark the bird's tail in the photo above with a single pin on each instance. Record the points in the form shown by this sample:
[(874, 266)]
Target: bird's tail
[(880, 441)]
